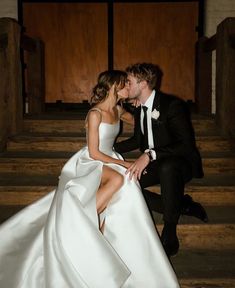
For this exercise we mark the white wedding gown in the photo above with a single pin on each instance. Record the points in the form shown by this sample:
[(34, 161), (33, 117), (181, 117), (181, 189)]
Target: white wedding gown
[(56, 242)]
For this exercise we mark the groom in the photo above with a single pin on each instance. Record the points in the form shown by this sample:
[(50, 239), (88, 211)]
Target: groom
[(164, 134)]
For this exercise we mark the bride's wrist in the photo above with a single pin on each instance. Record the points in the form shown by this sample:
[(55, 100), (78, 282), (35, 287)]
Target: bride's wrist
[(121, 162)]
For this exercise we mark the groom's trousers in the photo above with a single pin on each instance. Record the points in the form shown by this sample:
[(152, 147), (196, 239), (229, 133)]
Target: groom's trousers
[(171, 173)]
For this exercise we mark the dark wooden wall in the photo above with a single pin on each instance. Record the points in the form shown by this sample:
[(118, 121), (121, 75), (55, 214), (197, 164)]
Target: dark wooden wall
[(76, 43), (11, 116)]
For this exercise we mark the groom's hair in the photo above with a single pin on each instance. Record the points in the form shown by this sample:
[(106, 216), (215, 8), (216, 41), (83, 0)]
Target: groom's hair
[(145, 71)]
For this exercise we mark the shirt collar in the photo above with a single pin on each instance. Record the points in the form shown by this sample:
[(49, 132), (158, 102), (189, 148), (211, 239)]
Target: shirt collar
[(149, 102)]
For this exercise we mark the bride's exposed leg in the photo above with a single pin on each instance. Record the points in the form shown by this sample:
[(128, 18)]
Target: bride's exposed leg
[(111, 182), (102, 226)]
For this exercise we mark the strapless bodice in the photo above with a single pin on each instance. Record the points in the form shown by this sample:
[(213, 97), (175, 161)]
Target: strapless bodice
[(107, 135)]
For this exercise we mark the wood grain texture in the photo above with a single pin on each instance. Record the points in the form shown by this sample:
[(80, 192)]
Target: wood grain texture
[(75, 37), (73, 144), (162, 33), (53, 166), (74, 126)]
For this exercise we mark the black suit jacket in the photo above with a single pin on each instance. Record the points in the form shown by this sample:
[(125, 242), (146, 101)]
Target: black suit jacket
[(173, 133)]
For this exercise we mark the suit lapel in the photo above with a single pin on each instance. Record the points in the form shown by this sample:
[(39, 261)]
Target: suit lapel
[(156, 102), (156, 105)]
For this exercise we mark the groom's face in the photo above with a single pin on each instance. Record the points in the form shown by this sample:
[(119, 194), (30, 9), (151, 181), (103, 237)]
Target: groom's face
[(134, 87)]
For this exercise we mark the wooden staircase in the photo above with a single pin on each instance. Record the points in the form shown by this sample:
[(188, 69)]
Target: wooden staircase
[(32, 162)]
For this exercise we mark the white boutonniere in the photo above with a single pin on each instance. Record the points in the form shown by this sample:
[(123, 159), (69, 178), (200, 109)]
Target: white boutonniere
[(155, 114)]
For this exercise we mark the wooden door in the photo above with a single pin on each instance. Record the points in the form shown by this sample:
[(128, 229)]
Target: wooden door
[(75, 37), (76, 43), (161, 33)]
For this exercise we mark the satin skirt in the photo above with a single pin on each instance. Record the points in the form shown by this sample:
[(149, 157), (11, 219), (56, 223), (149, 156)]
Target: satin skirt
[(56, 241)]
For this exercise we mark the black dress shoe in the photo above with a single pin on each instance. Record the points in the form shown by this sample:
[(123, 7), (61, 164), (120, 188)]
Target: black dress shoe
[(171, 248), (191, 208), (170, 240)]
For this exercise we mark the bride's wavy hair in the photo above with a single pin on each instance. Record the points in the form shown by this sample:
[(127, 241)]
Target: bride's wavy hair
[(105, 81)]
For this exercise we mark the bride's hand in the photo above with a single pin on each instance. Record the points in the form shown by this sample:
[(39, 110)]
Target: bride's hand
[(138, 167)]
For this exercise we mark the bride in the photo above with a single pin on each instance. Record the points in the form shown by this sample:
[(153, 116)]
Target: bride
[(94, 230)]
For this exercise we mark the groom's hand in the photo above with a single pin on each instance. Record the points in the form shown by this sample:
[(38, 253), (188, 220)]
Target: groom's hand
[(134, 102), (136, 169)]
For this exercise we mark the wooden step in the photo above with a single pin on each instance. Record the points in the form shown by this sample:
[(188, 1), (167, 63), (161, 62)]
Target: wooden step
[(212, 236), (20, 180), (73, 144), (7, 211), (212, 190), (206, 236), (22, 195), (201, 126), (206, 195), (207, 283), (54, 165), (216, 215), (205, 268)]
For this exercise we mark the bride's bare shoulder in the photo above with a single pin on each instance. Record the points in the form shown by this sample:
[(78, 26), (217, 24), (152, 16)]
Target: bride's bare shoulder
[(94, 115)]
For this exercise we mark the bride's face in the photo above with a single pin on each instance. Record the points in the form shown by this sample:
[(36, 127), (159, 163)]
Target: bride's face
[(123, 93)]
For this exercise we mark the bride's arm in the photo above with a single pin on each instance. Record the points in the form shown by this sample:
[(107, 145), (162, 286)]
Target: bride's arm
[(94, 120)]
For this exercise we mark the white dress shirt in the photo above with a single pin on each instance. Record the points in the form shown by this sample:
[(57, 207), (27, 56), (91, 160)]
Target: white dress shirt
[(149, 105)]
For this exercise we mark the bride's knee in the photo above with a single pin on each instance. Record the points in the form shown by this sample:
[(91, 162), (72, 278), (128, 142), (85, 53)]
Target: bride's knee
[(112, 178), (117, 180)]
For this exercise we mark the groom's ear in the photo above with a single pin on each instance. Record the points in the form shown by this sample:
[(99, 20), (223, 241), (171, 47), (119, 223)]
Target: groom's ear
[(143, 84)]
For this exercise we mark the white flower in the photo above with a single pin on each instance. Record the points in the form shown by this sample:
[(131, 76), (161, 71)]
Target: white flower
[(155, 114)]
